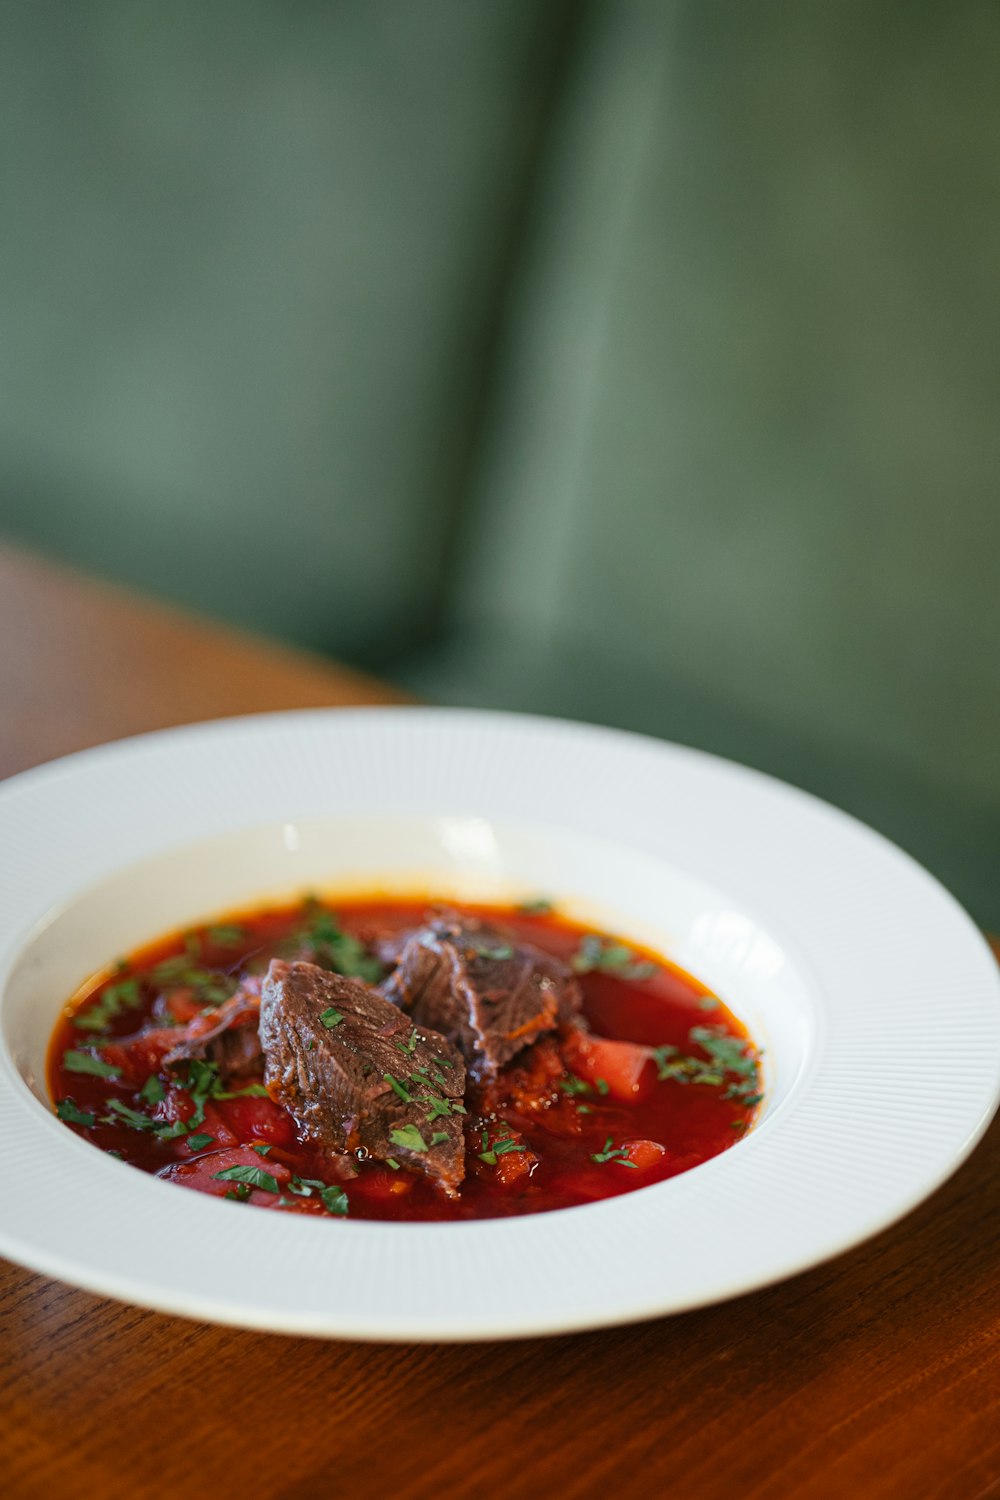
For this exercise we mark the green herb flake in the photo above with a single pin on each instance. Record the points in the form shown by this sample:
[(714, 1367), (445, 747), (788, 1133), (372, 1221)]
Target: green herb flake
[(503, 1147), (251, 1091), (67, 1110), (398, 1088), (113, 1000), (609, 957), (181, 973), (391, 1161), (731, 1061), (334, 1200), (152, 1090), (238, 1194), (614, 1154), (409, 1137), (199, 1142), (338, 951), (437, 1108), (86, 1062), (252, 1177), (538, 906), (225, 935), (496, 952), (708, 1002), (262, 1150), (124, 1114), (303, 1187), (601, 1085), (573, 1085), (331, 1018), (438, 1137)]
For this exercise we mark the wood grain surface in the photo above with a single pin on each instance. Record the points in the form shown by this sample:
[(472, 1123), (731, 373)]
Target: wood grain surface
[(877, 1375)]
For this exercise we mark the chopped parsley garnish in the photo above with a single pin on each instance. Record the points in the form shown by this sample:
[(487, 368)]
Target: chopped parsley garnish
[(225, 935), (338, 951), (181, 973), (152, 1090), (86, 1062), (252, 1177), (129, 1116), (502, 1146), (334, 1200), (303, 1187), (261, 1150), (616, 1154), (398, 1088), (438, 1107), (608, 957), (238, 1194), (536, 907), (410, 1045), (200, 1141), (438, 1137), (69, 1112), (498, 952), (115, 999), (573, 1085), (391, 1161), (331, 1018), (409, 1137), (601, 1085), (731, 1060)]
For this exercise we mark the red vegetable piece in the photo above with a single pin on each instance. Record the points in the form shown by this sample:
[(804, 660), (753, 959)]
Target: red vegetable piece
[(624, 1067), (201, 1173), (644, 1154), (252, 1118), (140, 1055)]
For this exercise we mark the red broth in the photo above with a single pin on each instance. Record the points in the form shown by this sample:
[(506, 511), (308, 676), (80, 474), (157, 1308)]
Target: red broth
[(587, 1124)]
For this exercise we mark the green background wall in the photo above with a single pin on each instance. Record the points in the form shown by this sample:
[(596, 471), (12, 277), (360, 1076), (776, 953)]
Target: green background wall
[(634, 361)]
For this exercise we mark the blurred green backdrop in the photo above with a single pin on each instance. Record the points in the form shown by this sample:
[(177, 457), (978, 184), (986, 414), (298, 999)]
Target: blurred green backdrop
[(633, 361)]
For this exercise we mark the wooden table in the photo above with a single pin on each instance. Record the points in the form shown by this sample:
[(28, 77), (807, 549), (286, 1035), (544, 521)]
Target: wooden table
[(875, 1376)]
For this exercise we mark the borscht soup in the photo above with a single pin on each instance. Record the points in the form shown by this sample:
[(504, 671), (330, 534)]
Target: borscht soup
[(403, 1060)]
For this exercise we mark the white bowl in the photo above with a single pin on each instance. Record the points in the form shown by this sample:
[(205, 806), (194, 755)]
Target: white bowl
[(874, 998)]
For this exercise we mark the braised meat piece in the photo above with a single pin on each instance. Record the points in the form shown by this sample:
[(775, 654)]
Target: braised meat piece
[(484, 992), (229, 1037), (358, 1075)]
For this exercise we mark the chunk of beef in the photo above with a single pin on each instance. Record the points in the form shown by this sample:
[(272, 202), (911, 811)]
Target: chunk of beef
[(480, 989), (357, 1074), (227, 1037)]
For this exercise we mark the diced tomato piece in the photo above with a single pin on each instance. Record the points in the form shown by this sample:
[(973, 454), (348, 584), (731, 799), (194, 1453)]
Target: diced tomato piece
[(202, 1173), (140, 1055), (644, 1154), (620, 1069), (253, 1118), (514, 1167), (214, 1125)]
